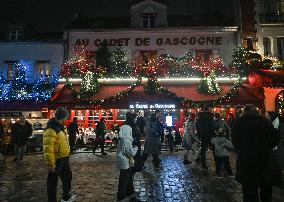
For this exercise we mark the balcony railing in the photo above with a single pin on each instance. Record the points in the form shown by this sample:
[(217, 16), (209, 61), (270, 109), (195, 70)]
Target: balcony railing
[(272, 18)]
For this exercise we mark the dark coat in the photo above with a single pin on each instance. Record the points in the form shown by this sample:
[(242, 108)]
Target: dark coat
[(72, 130), (135, 133), (205, 126), (141, 123), (253, 138), (21, 133), (153, 138), (100, 130)]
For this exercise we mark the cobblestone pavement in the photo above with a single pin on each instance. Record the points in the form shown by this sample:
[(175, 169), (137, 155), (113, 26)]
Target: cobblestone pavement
[(95, 178)]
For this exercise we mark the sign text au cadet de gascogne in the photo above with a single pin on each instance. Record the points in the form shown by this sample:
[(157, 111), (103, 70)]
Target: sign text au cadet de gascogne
[(160, 41)]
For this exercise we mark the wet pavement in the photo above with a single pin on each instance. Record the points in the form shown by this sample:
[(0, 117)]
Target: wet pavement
[(95, 178)]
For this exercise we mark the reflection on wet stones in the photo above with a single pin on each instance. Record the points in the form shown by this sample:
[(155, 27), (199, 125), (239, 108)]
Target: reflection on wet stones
[(95, 178)]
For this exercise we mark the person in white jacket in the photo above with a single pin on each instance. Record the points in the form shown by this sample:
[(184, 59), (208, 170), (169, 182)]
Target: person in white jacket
[(222, 146), (124, 157)]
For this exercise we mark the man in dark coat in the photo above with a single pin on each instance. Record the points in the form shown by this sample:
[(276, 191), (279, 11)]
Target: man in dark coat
[(141, 123), (100, 136), (72, 132), (20, 133), (253, 138), (205, 131)]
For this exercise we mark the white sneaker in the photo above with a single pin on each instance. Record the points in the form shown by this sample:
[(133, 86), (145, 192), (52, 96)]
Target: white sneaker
[(71, 199)]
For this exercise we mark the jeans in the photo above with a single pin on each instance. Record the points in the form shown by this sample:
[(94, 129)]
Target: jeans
[(250, 193), (19, 152), (220, 161), (125, 184), (63, 170)]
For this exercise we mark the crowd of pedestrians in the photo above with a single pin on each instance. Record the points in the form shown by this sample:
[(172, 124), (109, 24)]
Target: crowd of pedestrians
[(257, 141)]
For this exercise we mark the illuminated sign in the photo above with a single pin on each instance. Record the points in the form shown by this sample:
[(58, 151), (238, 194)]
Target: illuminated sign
[(161, 41), (151, 106)]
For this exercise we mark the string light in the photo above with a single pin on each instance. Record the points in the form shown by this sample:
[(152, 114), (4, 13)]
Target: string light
[(20, 89)]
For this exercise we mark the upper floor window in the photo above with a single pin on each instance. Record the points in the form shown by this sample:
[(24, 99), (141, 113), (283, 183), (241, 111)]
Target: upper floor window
[(280, 45), (280, 6), (9, 69), (16, 33), (266, 46), (204, 55), (149, 20), (43, 68), (249, 43), (148, 56)]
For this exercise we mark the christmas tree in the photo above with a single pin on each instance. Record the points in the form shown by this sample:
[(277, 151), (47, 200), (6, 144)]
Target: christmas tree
[(239, 62), (42, 88), (119, 67), (4, 87), (19, 88), (208, 85), (89, 85)]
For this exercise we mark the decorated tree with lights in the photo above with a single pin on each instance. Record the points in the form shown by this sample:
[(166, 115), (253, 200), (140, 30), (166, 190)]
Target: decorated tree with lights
[(120, 67), (4, 87), (239, 62), (42, 88), (89, 85), (82, 66), (19, 88), (208, 83)]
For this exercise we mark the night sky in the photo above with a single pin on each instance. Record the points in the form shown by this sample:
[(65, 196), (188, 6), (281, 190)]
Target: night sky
[(54, 15)]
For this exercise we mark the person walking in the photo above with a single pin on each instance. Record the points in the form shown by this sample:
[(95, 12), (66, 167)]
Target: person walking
[(141, 123), (253, 137), (20, 134), (125, 153), (100, 136), (152, 141), (72, 132), (205, 131), (56, 154), (189, 137), (222, 146)]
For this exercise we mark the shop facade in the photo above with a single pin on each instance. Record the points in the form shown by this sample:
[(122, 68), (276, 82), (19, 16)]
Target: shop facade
[(113, 108)]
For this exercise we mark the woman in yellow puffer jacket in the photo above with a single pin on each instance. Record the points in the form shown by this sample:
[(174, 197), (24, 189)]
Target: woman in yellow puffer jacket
[(56, 153)]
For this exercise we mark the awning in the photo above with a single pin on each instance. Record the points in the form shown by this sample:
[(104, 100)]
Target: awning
[(246, 95), (267, 78), (22, 106)]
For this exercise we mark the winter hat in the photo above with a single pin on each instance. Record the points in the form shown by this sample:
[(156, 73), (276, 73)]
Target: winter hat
[(61, 113)]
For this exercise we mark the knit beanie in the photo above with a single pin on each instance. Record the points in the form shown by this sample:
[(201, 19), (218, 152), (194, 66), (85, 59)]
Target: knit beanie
[(61, 113)]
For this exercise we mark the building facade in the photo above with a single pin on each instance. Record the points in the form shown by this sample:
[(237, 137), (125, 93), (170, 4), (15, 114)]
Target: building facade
[(150, 30)]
